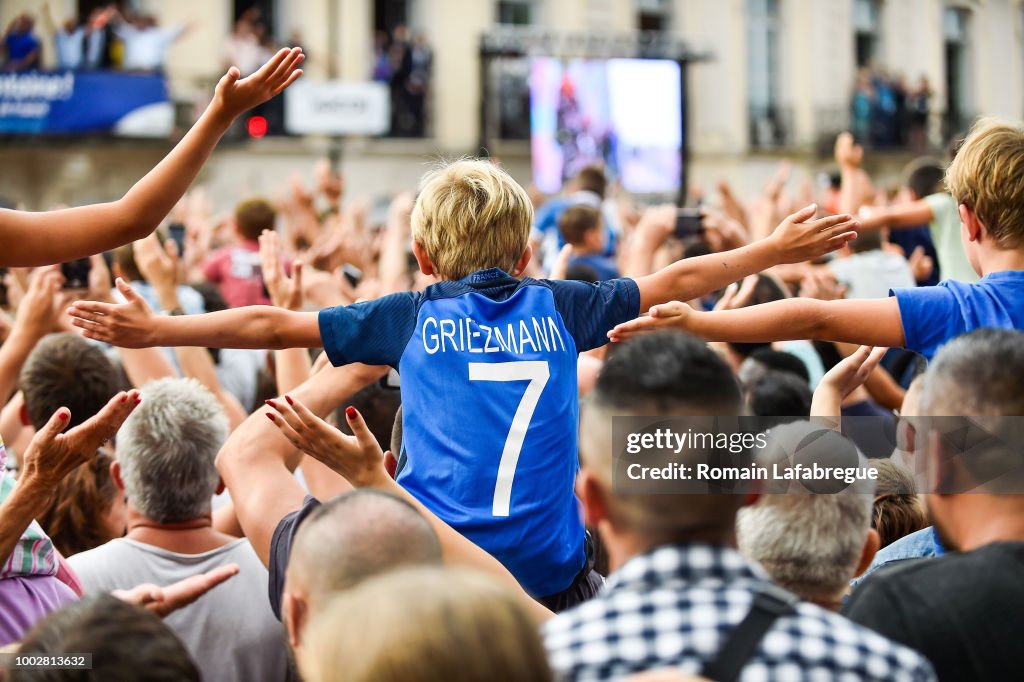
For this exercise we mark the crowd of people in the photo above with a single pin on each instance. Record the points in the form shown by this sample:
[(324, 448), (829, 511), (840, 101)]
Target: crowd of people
[(404, 63), (105, 39), (313, 440), (889, 112)]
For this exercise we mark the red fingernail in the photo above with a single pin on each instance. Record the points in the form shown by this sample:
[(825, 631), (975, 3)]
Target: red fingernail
[(270, 416), (289, 399), (350, 412), (124, 398), (64, 416), (271, 403)]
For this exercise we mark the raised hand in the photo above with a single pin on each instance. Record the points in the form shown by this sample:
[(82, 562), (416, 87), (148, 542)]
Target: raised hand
[(128, 324), (165, 600), (38, 312), (285, 292), (849, 374), (237, 95), (848, 154), (358, 458), (671, 315), (800, 238), (157, 264), (52, 455), (738, 296)]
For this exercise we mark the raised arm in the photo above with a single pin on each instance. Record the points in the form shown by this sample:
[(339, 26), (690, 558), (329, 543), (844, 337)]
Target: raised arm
[(57, 236), (133, 325), (912, 214), (256, 462), (869, 322), (798, 238)]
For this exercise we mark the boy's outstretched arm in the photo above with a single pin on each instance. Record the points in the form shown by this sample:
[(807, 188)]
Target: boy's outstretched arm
[(133, 325), (796, 239), (869, 322), (44, 238)]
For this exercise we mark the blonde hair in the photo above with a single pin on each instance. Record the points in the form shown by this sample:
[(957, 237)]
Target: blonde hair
[(423, 624), (987, 175), (471, 215)]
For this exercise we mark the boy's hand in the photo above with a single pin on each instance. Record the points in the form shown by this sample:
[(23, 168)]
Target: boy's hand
[(127, 325), (235, 95), (673, 315), (357, 458), (799, 238)]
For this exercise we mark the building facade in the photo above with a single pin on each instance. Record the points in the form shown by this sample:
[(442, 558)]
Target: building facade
[(780, 81)]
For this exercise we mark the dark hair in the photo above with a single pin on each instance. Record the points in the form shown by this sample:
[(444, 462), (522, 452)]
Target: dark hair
[(766, 290), (66, 370), (667, 370), (925, 177), (780, 395), (576, 221), (581, 272), (870, 240), (782, 361), (252, 216), (127, 643), (592, 179), (378, 406), (124, 259), (897, 508), (73, 520)]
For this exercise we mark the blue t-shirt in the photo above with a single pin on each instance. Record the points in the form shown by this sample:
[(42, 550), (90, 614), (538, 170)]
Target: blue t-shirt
[(20, 45), (931, 316), (490, 410), (604, 267)]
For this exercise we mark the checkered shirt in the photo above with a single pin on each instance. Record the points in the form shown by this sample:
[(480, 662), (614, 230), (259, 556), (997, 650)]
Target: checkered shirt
[(675, 606)]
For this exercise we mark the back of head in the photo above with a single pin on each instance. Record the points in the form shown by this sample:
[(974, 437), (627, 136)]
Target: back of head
[(127, 643), (987, 175), (897, 508), (66, 370), (167, 448), (471, 215), (424, 624), (766, 290), (592, 179), (809, 536), (780, 396), (924, 177), (378, 406), (76, 518), (253, 216), (576, 221), (870, 240), (357, 535), (781, 361), (660, 374)]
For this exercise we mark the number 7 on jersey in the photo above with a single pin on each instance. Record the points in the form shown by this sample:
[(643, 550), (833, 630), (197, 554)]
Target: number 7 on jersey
[(537, 373)]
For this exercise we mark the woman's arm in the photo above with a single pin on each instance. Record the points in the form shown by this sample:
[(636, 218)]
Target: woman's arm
[(31, 239)]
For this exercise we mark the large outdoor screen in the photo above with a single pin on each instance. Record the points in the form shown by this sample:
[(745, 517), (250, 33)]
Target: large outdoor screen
[(625, 113)]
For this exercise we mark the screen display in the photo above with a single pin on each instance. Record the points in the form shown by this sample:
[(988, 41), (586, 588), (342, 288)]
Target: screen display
[(625, 113)]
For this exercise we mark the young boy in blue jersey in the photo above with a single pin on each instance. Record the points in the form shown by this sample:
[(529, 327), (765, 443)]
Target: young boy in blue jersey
[(488, 361), (987, 180)]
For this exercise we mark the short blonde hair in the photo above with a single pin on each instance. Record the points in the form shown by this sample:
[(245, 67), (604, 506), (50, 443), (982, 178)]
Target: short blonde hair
[(471, 215), (423, 624), (987, 176)]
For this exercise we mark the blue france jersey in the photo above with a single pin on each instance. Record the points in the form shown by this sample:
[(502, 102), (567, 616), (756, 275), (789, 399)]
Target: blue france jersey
[(490, 409)]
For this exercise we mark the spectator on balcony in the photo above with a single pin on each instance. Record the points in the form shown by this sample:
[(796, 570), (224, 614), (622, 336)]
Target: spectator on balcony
[(244, 48), (78, 46), (145, 42), (22, 48), (920, 110)]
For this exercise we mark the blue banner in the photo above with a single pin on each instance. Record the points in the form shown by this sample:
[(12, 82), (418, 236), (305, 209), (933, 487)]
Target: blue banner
[(70, 102)]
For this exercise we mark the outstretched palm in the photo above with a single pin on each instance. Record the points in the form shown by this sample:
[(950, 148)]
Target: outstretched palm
[(238, 94)]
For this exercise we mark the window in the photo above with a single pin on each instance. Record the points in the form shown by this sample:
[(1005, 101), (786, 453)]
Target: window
[(867, 25), (516, 12), (956, 38), (653, 15), (766, 125)]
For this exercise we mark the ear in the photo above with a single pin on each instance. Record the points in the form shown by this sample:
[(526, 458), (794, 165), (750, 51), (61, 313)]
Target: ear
[(524, 260), (220, 486), (115, 475), (422, 259), (293, 613), (972, 225), (593, 498), (23, 414), (867, 554)]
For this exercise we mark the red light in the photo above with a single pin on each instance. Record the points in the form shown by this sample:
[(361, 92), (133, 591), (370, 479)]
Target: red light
[(256, 127)]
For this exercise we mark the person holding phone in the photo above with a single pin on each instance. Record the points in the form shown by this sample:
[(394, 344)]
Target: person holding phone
[(32, 239)]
